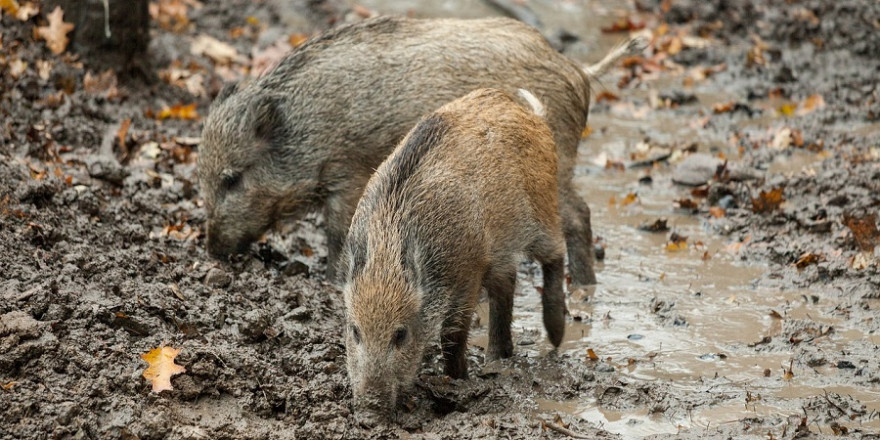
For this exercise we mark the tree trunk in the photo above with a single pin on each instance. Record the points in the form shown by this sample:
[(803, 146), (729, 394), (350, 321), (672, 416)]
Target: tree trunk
[(108, 33)]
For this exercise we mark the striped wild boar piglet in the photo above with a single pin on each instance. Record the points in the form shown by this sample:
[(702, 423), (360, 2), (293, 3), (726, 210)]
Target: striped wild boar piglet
[(463, 198)]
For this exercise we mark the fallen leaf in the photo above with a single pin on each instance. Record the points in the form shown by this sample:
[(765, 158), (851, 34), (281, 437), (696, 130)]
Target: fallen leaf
[(676, 246), (122, 133), (767, 201), (717, 212), (676, 243), (102, 84), (806, 259), (170, 14), (162, 367), (218, 51), (624, 24), (706, 256), (862, 260), (864, 230), (295, 40), (16, 68), (9, 7), (812, 103), (606, 96), (686, 204), (723, 107), (658, 225), (782, 139), (44, 69), (586, 132), (592, 355), (775, 314), (629, 199), (56, 33), (179, 111), (786, 109)]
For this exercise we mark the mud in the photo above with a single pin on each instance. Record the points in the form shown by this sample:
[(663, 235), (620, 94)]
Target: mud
[(103, 255)]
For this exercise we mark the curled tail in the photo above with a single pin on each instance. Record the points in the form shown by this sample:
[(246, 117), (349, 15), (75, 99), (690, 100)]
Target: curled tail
[(629, 47), (533, 101)]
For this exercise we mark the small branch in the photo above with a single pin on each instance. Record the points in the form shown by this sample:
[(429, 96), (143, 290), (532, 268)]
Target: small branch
[(562, 430)]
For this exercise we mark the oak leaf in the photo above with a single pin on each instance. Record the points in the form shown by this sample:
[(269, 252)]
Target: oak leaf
[(162, 367), (56, 33)]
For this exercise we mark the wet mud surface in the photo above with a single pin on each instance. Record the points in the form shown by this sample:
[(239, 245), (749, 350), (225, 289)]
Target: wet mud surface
[(763, 324)]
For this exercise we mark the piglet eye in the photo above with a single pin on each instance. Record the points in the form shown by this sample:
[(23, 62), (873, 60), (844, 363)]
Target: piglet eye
[(356, 334), (400, 336), (230, 179)]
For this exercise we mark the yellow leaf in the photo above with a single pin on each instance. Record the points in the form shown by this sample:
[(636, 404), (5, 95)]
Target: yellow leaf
[(179, 111), (629, 199), (592, 355), (56, 33), (786, 109), (251, 20), (9, 6), (587, 132), (162, 367), (674, 246)]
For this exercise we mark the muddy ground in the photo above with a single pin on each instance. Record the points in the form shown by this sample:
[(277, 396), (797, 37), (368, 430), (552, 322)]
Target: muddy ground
[(102, 258)]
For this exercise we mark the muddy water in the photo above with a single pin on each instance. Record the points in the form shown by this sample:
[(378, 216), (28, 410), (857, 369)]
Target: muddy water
[(685, 317)]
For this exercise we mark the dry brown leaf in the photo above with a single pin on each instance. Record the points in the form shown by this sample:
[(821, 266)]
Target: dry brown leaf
[(723, 107), (811, 104), (624, 24), (16, 68), (717, 212), (806, 259), (686, 204), (586, 132), (103, 83), (629, 199), (591, 355), (56, 33), (44, 69), (782, 139), (170, 14), (606, 96), (220, 52), (767, 201), (122, 133), (676, 243), (864, 230), (162, 367), (295, 40)]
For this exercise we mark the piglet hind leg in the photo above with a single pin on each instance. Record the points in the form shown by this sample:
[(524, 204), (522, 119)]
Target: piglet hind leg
[(553, 300), (500, 287)]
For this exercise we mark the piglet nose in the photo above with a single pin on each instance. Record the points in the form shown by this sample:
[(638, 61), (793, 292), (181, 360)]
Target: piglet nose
[(368, 419)]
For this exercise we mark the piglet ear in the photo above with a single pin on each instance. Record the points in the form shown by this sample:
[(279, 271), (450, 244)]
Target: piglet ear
[(269, 118), (227, 91)]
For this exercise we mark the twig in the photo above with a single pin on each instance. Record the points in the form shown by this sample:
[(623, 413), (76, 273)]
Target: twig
[(562, 430)]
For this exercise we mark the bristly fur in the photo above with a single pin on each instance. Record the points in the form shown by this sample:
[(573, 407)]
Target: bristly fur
[(468, 191)]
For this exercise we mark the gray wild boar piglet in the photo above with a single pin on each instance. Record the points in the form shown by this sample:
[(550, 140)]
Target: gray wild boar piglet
[(308, 135), (458, 203)]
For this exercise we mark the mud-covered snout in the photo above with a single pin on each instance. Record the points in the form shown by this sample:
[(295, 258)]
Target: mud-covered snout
[(374, 402), (223, 242)]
